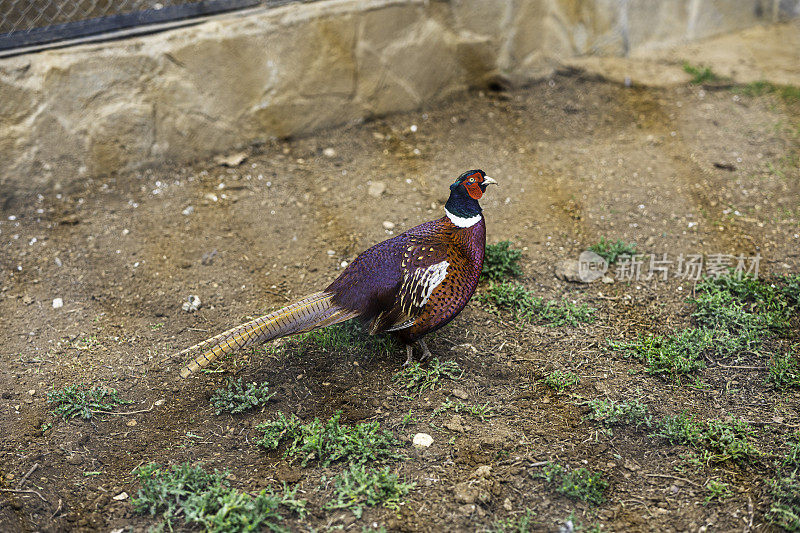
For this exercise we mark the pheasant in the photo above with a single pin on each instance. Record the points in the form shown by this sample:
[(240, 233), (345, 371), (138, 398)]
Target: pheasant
[(410, 285)]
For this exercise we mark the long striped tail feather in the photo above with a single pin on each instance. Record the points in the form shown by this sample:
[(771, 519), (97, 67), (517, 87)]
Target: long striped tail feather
[(314, 311)]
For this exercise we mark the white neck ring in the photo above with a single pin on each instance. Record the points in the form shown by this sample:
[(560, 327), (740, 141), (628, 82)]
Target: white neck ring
[(462, 222)]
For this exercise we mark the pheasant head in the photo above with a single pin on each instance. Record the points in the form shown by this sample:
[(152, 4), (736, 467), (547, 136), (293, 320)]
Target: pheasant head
[(462, 207)]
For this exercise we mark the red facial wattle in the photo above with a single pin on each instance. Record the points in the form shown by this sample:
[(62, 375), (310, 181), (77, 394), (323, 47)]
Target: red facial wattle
[(473, 186)]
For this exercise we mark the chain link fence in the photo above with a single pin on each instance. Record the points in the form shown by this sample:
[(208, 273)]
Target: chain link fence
[(26, 23)]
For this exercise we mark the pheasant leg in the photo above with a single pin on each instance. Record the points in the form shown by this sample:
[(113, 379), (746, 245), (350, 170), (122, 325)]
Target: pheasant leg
[(426, 353)]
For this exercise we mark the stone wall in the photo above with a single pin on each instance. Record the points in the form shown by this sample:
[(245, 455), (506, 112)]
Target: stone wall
[(189, 93)]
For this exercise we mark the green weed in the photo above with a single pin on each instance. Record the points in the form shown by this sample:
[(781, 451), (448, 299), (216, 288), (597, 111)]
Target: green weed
[(360, 486), (788, 93), (717, 490), (612, 413), (578, 484), (501, 261), (419, 378), (610, 251), (190, 493), (784, 489), (520, 524), (726, 440), (82, 400), (560, 381), (524, 305), (329, 442), (784, 370), (478, 411), (676, 354), (699, 74), (237, 398)]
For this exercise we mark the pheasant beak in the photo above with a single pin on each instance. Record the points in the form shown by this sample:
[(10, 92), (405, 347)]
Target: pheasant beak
[(488, 181)]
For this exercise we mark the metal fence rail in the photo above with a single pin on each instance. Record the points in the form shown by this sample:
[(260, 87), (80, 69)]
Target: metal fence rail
[(26, 23)]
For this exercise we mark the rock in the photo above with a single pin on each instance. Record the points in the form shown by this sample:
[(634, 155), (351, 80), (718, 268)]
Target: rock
[(188, 211), (567, 270), (192, 304), (388, 225), (507, 505), (460, 394), (121, 496), (456, 423), (329, 152), (607, 280), (466, 493), (422, 440), (232, 160), (58, 303), (376, 189)]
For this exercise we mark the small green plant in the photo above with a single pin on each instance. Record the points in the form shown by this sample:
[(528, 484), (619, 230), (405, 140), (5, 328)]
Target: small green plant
[(478, 411), (524, 305), (156, 326), (784, 489), (360, 486), (191, 494), (578, 484), (560, 381), (612, 413), (717, 491), (672, 355), (519, 524), (82, 400), (699, 74), (500, 261), (788, 93), (418, 377), (610, 251), (726, 440), (329, 442), (784, 370), (237, 398)]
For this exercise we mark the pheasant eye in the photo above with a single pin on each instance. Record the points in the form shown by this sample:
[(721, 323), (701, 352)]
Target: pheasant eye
[(472, 180)]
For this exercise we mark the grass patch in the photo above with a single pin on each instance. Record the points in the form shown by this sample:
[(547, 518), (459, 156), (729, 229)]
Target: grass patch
[(725, 440), (329, 442), (189, 493), (699, 74), (347, 336), (81, 400), (360, 486), (419, 378), (784, 370), (673, 355), (478, 411), (612, 413), (788, 93), (560, 381), (520, 524), (784, 490), (521, 302), (610, 251), (500, 261), (238, 398), (578, 484)]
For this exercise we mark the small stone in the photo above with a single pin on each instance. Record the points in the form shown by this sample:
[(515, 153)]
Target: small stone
[(567, 270), (130, 423), (58, 303), (159, 402), (466, 493), (388, 225), (232, 160), (74, 459), (422, 440), (376, 188), (607, 280), (460, 394), (483, 471), (188, 211), (456, 423), (121, 496), (329, 152), (192, 304), (331, 252), (507, 505)]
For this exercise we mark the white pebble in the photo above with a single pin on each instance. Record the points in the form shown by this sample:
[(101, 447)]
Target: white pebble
[(188, 211), (423, 440), (329, 152), (388, 225), (331, 253), (58, 303)]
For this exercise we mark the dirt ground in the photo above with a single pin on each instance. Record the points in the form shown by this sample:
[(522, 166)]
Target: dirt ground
[(687, 169)]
